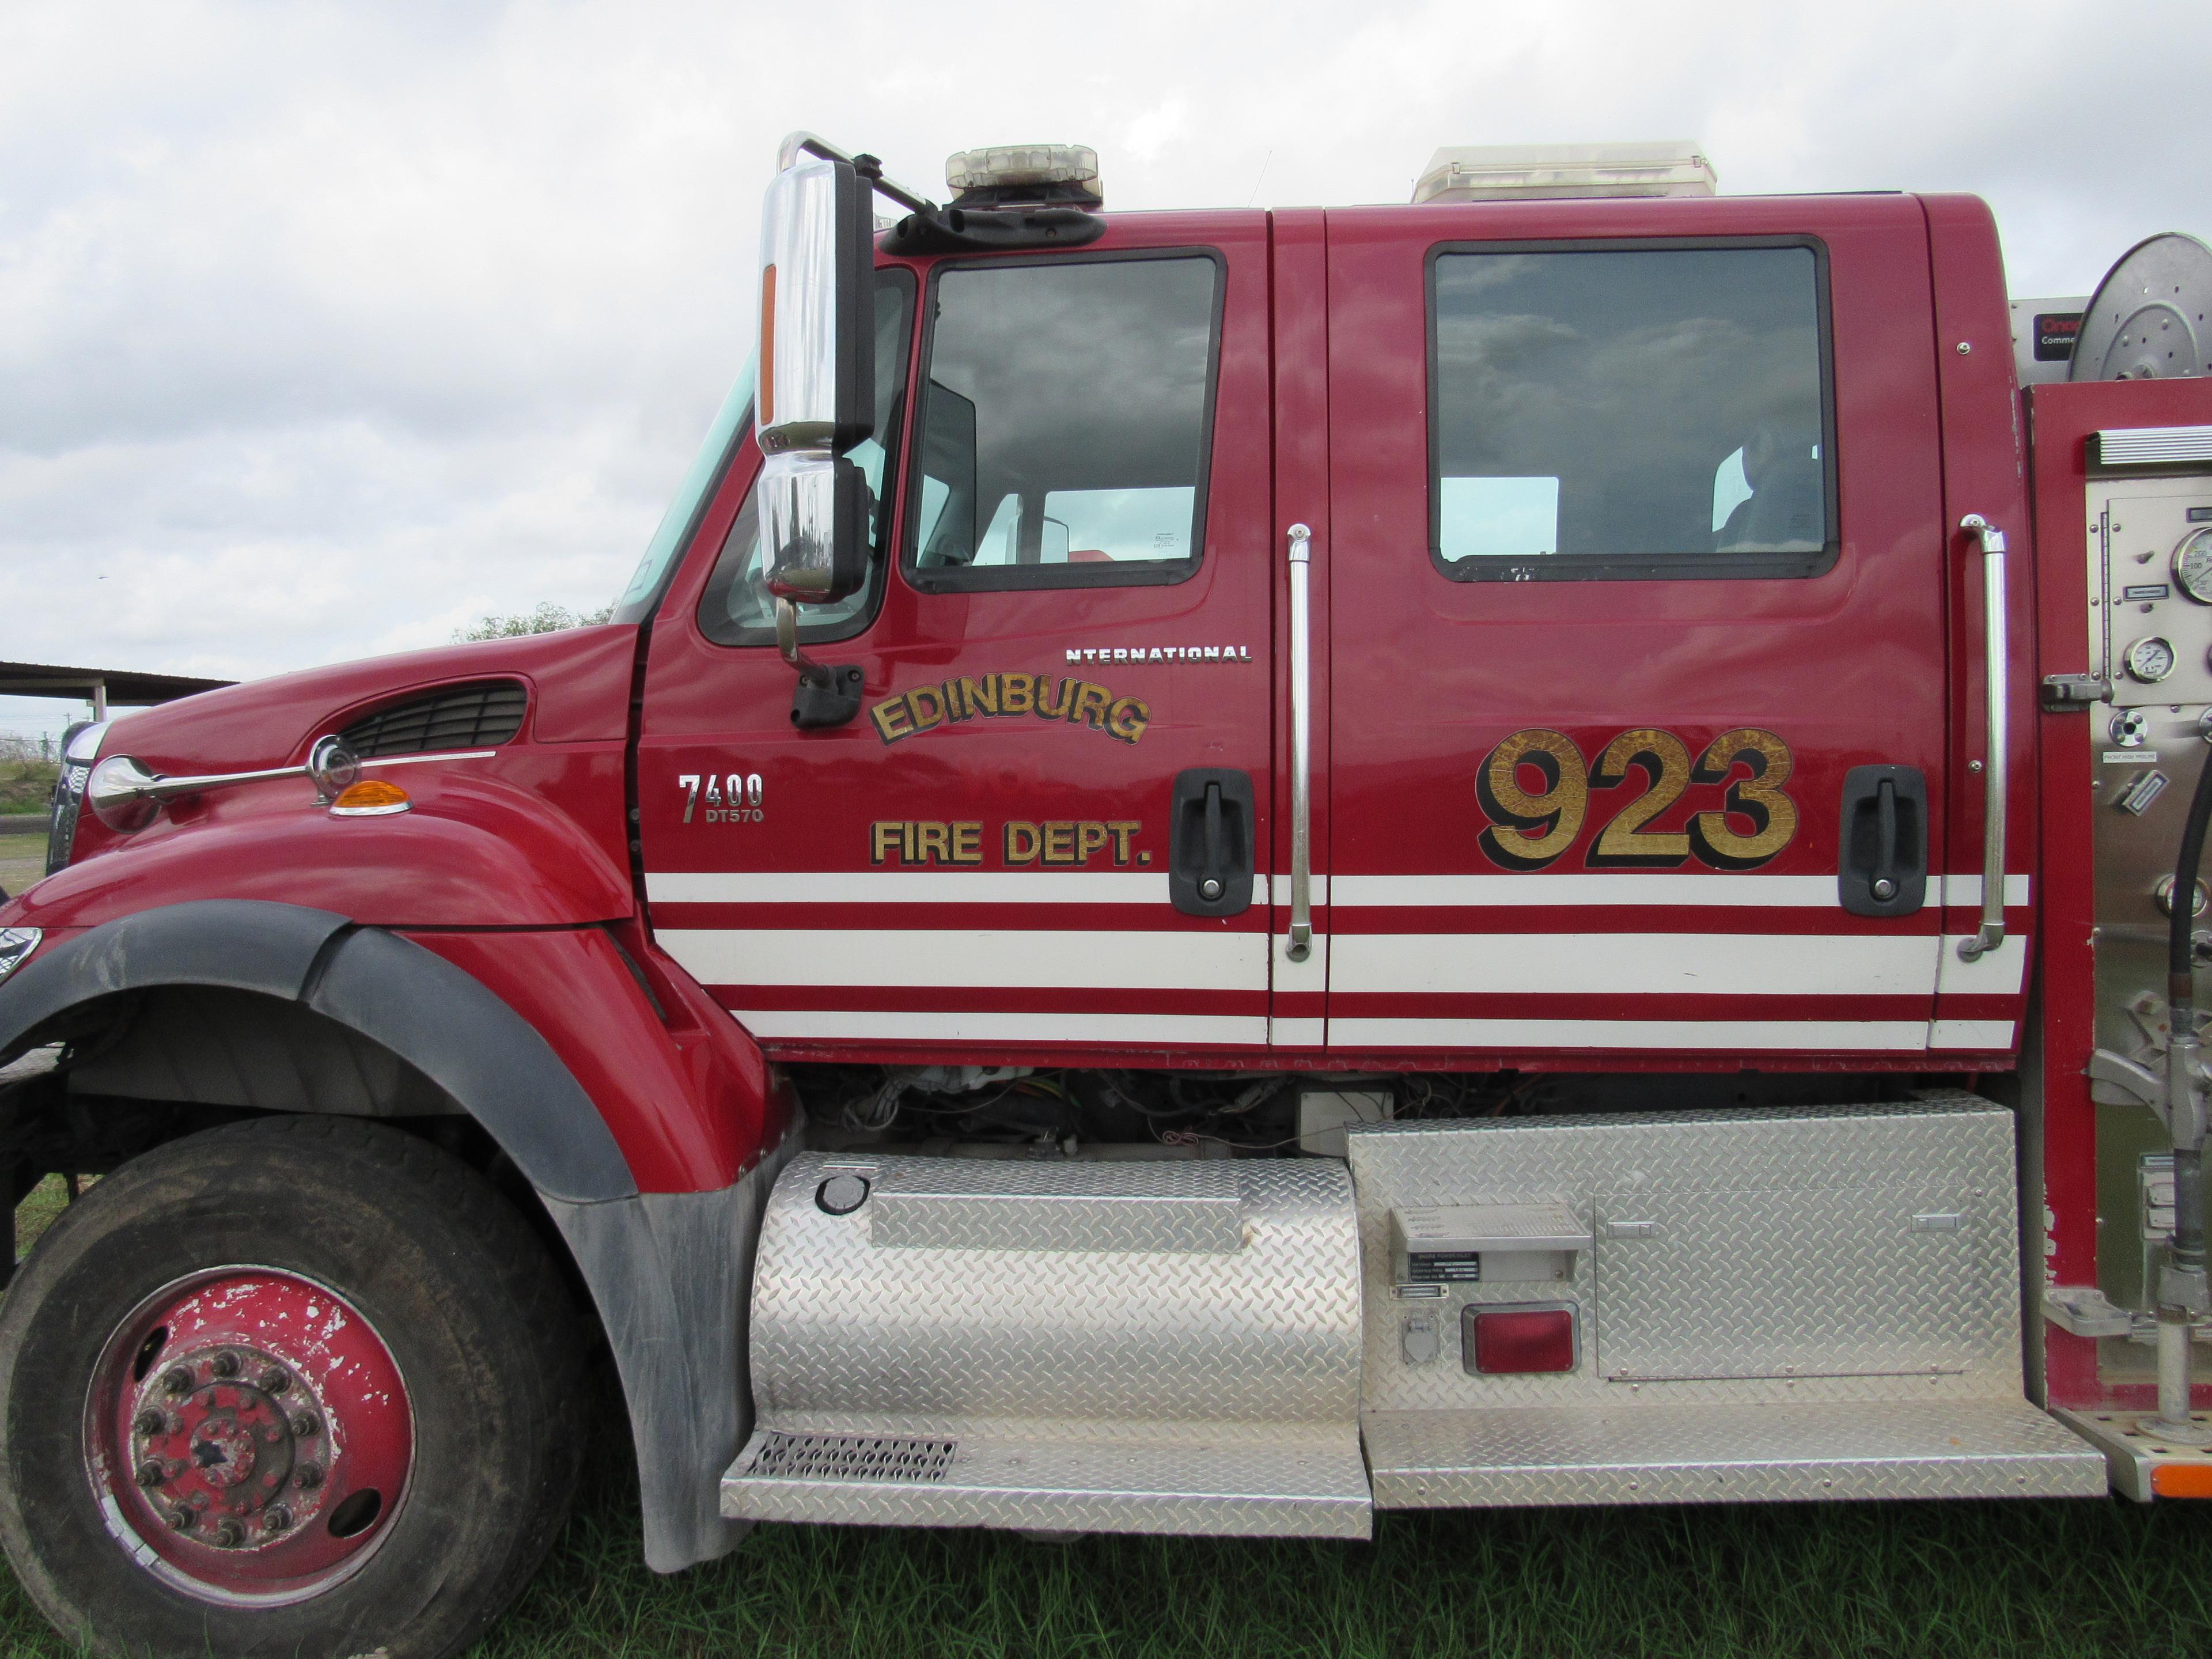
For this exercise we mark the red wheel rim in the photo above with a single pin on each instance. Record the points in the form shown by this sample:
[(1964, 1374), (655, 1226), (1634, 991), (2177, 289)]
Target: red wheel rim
[(249, 1435)]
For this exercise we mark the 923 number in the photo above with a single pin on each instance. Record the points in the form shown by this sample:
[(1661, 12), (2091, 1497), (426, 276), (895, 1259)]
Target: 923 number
[(1531, 828)]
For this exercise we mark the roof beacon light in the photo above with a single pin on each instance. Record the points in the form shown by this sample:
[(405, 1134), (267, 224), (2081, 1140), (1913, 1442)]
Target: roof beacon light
[(1006, 174), (1503, 173)]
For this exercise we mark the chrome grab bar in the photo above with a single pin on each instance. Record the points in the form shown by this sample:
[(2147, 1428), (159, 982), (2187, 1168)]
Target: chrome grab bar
[(1301, 944), (1992, 542)]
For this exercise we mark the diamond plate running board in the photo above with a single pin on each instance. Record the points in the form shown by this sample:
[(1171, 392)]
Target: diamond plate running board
[(1304, 1486), (1656, 1453)]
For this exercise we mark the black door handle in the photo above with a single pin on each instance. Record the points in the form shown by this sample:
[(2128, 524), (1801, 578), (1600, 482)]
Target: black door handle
[(1881, 864), (1210, 842)]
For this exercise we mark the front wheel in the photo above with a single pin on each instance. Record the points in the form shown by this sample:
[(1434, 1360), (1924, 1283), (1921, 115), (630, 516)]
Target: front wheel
[(298, 1386)]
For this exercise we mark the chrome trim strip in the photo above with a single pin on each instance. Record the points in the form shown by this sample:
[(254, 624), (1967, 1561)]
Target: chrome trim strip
[(1992, 543), (441, 754), (1301, 939)]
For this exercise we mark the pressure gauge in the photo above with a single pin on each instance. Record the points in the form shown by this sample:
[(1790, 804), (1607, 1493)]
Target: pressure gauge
[(2150, 661), (2192, 565)]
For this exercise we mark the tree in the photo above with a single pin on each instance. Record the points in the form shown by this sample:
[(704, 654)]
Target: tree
[(548, 618)]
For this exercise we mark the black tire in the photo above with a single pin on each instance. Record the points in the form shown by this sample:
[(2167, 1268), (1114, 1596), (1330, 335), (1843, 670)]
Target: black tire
[(463, 1295)]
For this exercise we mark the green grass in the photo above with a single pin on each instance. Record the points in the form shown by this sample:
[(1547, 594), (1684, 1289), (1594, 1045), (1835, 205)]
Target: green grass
[(1895, 1580), (26, 783), (1869, 1581)]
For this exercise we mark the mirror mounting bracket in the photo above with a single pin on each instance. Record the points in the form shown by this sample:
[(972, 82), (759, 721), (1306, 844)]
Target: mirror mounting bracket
[(827, 694)]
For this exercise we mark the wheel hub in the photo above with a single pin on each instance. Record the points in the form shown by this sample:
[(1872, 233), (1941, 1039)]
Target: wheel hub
[(224, 1447), (253, 1433)]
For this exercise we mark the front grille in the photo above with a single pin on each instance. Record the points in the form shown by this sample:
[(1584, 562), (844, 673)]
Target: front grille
[(851, 1457), (481, 714), (69, 800)]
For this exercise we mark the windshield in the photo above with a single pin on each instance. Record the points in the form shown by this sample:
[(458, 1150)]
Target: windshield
[(638, 599)]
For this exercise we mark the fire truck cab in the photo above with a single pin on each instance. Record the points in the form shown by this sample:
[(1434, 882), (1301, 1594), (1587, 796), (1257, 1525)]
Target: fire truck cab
[(1224, 870)]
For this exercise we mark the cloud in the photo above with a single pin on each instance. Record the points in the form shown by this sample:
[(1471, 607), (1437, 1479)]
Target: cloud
[(326, 327)]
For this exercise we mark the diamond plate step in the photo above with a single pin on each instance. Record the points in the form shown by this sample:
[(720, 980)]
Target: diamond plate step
[(1655, 1452), (1287, 1487)]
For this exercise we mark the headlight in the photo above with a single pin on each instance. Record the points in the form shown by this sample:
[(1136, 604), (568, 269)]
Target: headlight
[(16, 945)]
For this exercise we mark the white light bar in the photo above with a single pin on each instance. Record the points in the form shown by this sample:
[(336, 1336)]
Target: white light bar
[(1493, 172), (1022, 164)]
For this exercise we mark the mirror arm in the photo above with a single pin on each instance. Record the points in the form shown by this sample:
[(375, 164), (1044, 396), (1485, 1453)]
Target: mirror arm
[(796, 144), (786, 643), (824, 696)]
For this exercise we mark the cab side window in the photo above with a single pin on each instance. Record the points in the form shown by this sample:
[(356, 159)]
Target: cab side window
[(737, 609), (1631, 412), (1065, 410)]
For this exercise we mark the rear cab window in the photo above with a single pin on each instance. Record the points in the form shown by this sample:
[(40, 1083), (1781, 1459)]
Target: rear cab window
[(1641, 410)]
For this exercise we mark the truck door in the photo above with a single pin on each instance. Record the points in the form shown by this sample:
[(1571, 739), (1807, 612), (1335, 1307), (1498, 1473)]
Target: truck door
[(1036, 840), (1635, 563)]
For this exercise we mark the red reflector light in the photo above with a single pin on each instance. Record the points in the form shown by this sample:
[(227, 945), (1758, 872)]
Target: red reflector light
[(1509, 1342)]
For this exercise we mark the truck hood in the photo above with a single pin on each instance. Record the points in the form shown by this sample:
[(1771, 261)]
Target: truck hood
[(579, 681)]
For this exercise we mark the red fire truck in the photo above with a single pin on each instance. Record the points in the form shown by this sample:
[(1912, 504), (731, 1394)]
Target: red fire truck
[(1223, 870)]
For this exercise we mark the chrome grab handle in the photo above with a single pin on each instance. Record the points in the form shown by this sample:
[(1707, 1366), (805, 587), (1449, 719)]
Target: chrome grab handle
[(1992, 542), (1301, 944)]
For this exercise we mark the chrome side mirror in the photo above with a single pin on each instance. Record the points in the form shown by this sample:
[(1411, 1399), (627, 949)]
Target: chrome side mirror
[(816, 399), (817, 396)]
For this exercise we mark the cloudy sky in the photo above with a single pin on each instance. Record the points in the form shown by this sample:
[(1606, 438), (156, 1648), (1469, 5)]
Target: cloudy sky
[(325, 328)]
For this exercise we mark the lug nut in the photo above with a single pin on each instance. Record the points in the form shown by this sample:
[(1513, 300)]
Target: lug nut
[(278, 1519), (275, 1380), (226, 1363), (306, 1425), (149, 1423), (181, 1518), (308, 1477), (229, 1534), (151, 1474), (177, 1380)]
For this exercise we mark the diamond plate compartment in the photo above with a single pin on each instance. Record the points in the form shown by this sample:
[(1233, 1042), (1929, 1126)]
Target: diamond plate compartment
[(1863, 1252), (1100, 1365)]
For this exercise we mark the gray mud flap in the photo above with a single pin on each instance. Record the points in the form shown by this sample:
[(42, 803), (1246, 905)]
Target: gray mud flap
[(1146, 1346)]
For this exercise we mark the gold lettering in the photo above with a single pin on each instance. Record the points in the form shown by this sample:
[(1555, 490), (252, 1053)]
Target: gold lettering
[(1121, 831), (888, 714), (967, 843), (1017, 694), (1090, 704), (1045, 708), (933, 841), (929, 696), (1090, 838), (980, 695), (1060, 842), (1127, 719), (1021, 842), (883, 838)]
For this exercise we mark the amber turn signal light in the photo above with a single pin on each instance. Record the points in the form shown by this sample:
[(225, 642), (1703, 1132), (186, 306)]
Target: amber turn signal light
[(371, 798)]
